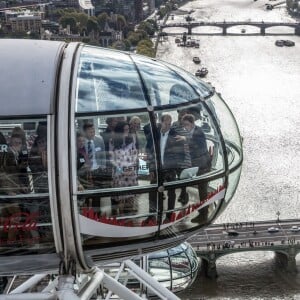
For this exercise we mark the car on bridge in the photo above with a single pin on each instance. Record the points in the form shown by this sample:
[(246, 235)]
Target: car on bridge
[(295, 228), (273, 229), (229, 244), (232, 232)]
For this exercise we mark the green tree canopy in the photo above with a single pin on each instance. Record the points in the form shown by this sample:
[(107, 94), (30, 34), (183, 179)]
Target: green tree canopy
[(145, 47), (69, 20), (102, 19), (121, 23), (148, 27), (92, 25)]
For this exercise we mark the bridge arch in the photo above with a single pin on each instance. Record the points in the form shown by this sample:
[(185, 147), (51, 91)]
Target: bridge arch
[(178, 31), (286, 256), (279, 28), (226, 27)]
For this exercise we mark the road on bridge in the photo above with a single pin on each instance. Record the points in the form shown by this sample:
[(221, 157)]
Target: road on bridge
[(254, 232)]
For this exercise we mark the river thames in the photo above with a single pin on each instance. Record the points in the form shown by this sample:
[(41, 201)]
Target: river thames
[(261, 84)]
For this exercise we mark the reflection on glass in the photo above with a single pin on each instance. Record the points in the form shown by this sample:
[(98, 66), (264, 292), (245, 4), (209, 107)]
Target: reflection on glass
[(233, 180), (175, 269), (160, 268), (107, 80), (228, 128), (113, 151), (23, 152), (202, 88), (164, 86), (24, 222), (124, 160), (180, 264)]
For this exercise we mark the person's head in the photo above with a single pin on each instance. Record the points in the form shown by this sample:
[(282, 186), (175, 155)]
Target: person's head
[(19, 131), (16, 142), (195, 111), (122, 128), (135, 123), (111, 123), (181, 113), (122, 135), (80, 140), (166, 122), (2, 139), (41, 142), (188, 122), (89, 130), (42, 129)]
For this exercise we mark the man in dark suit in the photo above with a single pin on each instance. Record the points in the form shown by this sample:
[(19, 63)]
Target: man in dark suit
[(199, 157), (171, 152)]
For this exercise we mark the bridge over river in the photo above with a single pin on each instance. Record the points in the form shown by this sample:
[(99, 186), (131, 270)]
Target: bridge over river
[(224, 26), (219, 240)]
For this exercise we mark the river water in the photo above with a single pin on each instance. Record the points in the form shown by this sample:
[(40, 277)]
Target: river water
[(261, 84)]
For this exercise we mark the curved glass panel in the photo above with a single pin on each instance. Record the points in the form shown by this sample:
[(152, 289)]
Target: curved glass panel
[(160, 269), (110, 175), (189, 144), (143, 175), (25, 216), (233, 180), (229, 129), (112, 152), (175, 269), (115, 218), (180, 266), (179, 263), (164, 85), (197, 207), (193, 259), (201, 87), (107, 80)]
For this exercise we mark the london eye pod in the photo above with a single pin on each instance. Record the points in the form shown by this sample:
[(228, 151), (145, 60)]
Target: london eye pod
[(106, 155)]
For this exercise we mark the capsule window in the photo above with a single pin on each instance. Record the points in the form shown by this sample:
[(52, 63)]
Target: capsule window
[(25, 217)]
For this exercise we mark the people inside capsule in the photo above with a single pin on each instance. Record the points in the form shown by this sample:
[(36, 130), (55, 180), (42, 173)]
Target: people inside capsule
[(3, 153), (186, 163), (38, 161), (124, 159), (172, 153), (16, 164), (83, 169), (200, 158), (96, 161), (134, 128), (23, 159), (108, 133), (15, 179)]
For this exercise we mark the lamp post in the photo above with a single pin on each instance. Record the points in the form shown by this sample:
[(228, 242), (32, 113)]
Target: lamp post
[(278, 214)]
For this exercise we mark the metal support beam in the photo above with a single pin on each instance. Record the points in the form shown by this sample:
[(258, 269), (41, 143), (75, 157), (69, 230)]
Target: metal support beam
[(87, 292), (28, 284), (122, 291), (150, 282)]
